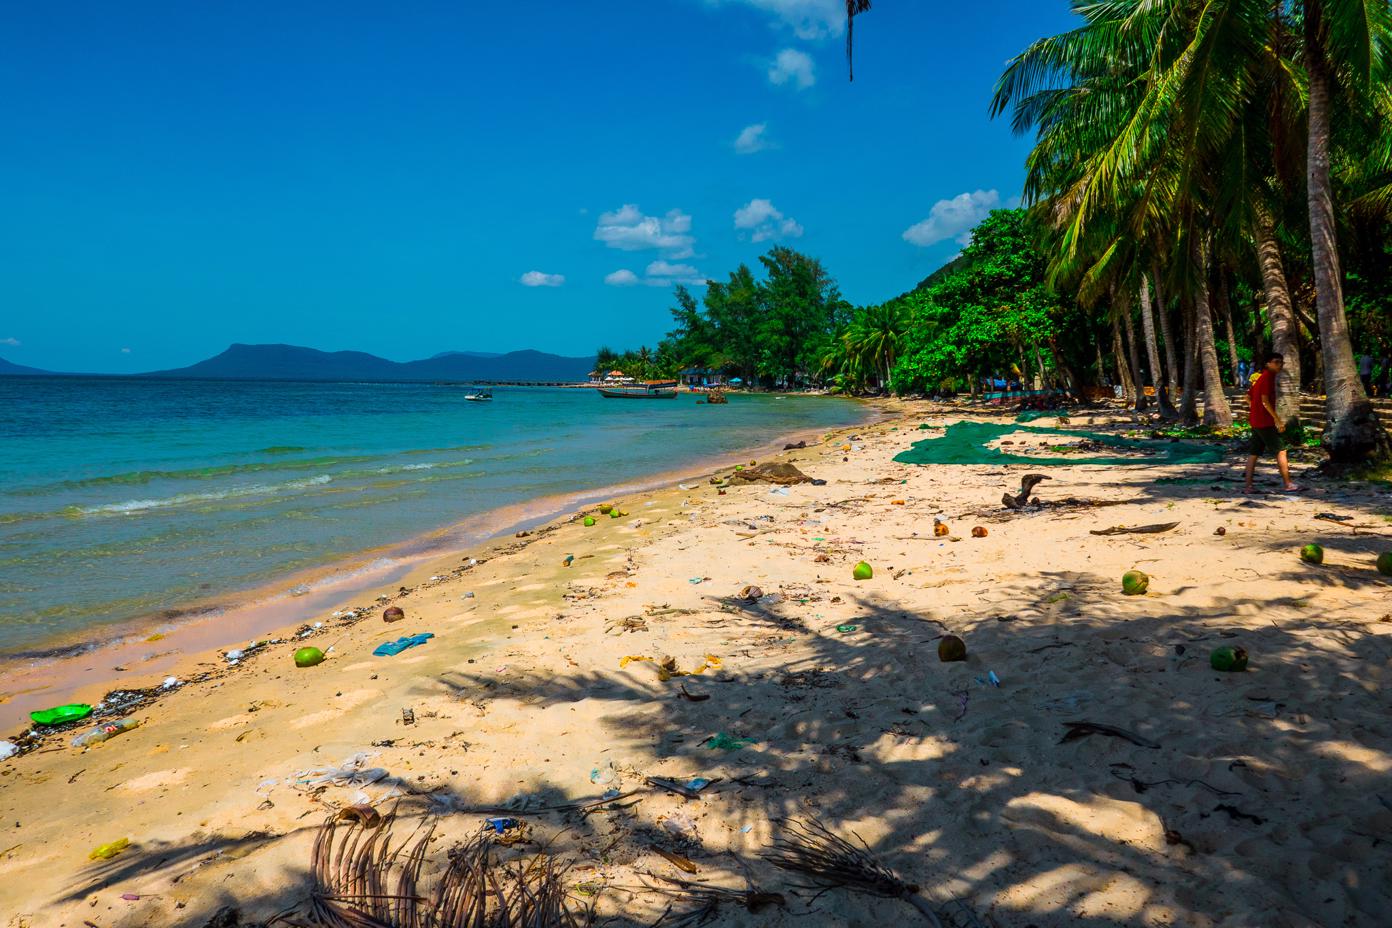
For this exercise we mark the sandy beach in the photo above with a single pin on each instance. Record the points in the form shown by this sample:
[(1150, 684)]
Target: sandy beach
[(1217, 799)]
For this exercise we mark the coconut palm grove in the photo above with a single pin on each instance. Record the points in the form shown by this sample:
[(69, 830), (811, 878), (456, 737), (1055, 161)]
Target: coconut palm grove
[(1210, 181)]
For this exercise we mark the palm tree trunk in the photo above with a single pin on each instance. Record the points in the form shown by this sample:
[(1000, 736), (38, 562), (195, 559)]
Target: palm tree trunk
[(1142, 401), (1353, 432), (1281, 313), (1128, 388), (1216, 409), (1171, 359), (1189, 400), (1157, 377), (1224, 305)]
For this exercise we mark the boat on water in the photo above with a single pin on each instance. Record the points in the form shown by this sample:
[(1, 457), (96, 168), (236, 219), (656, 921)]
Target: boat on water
[(664, 390), (479, 396)]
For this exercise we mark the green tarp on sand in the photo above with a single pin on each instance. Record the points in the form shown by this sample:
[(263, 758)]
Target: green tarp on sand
[(966, 443)]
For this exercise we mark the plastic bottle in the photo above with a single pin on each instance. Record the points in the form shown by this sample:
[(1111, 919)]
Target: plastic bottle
[(104, 731)]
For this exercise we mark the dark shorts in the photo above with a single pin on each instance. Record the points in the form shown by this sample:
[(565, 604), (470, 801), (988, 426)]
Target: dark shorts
[(1267, 440)]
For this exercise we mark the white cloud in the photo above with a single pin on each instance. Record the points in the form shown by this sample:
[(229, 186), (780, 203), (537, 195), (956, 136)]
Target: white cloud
[(665, 274), (763, 221), (627, 229), (794, 67), (809, 19), (539, 279), (954, 218), (752, 139), (623, 277), (11, 341)]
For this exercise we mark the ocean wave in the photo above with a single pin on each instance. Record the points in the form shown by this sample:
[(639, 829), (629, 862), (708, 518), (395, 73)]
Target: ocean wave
[(183, 499), (194, 473)]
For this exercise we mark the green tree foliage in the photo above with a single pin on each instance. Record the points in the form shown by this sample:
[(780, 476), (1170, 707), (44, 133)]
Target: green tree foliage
[(988, 315)]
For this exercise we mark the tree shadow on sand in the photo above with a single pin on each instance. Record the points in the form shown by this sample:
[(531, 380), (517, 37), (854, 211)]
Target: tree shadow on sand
[(1268, 785)]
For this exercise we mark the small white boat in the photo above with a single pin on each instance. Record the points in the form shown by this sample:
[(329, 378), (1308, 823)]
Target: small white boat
[(479, 396)]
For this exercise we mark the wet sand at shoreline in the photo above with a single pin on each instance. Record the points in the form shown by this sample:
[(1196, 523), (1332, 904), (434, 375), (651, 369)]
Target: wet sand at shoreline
[(1247, 799)]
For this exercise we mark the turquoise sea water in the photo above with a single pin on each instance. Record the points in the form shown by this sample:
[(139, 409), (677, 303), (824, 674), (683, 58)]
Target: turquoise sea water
[(126, 498)]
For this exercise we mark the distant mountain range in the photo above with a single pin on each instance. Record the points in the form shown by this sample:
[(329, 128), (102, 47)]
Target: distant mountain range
[(290, 362), (7, 367)]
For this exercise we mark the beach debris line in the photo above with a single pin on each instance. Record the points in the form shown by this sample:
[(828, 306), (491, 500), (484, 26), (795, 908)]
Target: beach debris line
[(1079, 730), (1155, 529), (811, 849)]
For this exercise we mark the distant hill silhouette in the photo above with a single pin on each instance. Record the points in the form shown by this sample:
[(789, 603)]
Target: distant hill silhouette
[(9, 367), (290, 362)]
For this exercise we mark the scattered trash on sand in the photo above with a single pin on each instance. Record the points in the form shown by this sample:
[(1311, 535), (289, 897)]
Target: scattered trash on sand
[(392, 648), (109, 850), (61, 715), (105, 732), (723, 742)]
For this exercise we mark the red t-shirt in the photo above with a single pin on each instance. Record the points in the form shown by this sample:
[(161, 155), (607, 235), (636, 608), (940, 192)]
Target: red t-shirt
[(1257, 416)]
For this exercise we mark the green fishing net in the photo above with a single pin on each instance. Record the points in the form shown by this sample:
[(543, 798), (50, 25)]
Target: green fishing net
[(966, 443)]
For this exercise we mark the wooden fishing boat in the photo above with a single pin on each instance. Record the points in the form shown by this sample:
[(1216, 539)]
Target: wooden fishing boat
[(639, 393)]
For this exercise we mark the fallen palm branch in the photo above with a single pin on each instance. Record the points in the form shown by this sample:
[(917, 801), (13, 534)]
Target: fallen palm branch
[(706, 899), (1136, 530), (831, 862), (362, 880)]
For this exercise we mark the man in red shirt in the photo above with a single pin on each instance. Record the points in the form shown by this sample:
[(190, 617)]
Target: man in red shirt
[(1267, 426)]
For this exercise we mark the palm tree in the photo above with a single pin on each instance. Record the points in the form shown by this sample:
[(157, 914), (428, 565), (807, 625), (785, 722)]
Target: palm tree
[(853, 9), (1345, 49), (875, 336)]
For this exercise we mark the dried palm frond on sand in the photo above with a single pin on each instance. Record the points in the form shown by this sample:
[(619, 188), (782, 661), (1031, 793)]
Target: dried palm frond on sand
[(362, 881), (830, 861)]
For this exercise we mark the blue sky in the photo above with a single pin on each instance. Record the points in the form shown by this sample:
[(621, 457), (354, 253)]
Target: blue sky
[(411, 178)]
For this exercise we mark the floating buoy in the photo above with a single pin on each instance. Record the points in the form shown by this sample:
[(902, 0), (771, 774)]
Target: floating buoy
[(1134, 583), (951, 648)]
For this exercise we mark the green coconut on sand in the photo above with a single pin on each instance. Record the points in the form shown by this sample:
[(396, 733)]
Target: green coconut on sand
[(1135, 583), (1312, 554)]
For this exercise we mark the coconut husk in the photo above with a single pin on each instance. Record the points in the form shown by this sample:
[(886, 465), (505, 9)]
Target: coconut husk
[(784, 475)]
